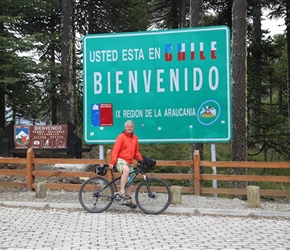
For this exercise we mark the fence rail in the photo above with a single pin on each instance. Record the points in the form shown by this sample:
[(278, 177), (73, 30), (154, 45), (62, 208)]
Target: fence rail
[(196, 179)]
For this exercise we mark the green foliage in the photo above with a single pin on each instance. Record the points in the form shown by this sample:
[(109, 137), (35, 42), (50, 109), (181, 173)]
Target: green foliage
[(223, 151), (93, 17), (269, 131), (166, 151), (31, 83)]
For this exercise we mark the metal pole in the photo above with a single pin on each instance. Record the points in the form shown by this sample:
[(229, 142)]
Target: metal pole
[(101, 157), (213, 158), (101, 152)]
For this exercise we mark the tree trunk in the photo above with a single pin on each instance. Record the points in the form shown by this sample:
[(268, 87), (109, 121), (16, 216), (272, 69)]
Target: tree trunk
[(174, 14), (239, 144), (196, 18), (2, 92), (182, 8), (52, 89), (288, 57), (257, 67), (2, 110), (196, 13), (67, 43)]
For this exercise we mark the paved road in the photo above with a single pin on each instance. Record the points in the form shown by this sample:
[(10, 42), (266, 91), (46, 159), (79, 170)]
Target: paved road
[(45, 229)]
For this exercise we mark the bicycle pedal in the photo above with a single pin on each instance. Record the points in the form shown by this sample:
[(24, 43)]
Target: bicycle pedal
[(118, 199)]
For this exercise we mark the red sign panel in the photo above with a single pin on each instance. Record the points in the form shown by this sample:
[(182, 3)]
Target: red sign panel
[(41, 136), (106, 114)]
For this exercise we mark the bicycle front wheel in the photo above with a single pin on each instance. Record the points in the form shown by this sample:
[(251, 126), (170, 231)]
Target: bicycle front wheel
[(95, 195), (153, 196)]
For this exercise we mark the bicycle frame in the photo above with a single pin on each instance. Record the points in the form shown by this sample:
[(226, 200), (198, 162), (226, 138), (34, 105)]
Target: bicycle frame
[(132, 176)]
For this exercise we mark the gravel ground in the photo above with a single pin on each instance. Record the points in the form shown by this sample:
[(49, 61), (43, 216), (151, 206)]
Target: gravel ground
[(53, 196)]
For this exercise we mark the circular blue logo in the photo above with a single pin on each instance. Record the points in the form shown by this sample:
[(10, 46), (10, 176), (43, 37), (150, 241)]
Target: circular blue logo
[(208, 112)]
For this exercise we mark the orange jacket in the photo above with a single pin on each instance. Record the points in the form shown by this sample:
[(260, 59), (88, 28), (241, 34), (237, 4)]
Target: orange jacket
[(126, 147)]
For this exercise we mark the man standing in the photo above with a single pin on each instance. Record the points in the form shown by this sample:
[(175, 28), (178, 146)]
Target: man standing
[(125, 150)]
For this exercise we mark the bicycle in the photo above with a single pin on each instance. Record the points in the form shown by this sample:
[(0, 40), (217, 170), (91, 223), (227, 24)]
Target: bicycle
[(97, 194)]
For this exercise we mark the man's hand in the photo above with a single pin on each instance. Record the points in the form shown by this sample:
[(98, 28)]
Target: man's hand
[(140, 163), (111, 166)]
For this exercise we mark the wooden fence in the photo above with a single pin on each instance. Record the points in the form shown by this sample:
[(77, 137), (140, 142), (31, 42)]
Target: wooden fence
[(196, 180)]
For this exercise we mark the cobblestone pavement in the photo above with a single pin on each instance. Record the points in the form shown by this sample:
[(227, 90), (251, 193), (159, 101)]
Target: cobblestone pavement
[(50, 228)]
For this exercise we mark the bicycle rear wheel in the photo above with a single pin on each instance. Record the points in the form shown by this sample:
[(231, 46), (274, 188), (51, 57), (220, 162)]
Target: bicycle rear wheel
[(153, 196), (95, 195)]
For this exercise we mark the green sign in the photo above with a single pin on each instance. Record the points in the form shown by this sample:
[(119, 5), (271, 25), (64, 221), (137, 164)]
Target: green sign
[(175, 85)]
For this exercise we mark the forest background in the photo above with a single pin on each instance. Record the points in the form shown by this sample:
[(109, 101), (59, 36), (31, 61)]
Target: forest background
[(41, 65)]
